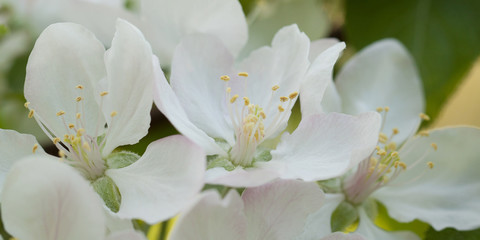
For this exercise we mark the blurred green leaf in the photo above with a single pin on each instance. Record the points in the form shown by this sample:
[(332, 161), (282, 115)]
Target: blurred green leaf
[(386, 222), (452, 234), (442, 35), (3, 30)]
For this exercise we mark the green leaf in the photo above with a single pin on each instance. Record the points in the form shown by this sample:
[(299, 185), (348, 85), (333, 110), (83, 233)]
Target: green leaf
[(343, 216), (442, 35), (121, 159), (108, 190), (452, 234)]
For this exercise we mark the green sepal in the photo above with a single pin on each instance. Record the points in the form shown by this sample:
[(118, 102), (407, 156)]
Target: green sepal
[(219, 161), (121, 159), (333, 185), (371, 208), (344, 215), (262, 155), (108, 191)]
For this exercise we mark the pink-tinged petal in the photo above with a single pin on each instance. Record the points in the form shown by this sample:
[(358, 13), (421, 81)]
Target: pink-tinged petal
[(241, 177), (318, 223), (369, 230), (129, 84), (326, 145), (127, 235), (170, 21), (212, 218), (44, 199), (168, 103), (279, 210), (383, 74), (319, 76), (65, 55), (162, 182), (445, 196)]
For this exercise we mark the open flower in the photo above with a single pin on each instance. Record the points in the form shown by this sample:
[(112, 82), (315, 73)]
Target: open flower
[(415, 177), (45, 200), (89, 101), (233, 110), (273, 211)]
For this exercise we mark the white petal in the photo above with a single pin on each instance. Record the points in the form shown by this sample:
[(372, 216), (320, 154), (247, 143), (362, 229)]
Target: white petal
[(130, 87), (162, 182), (44, 199), (170, 21), (343, 236), (168, 103), (278, 210), (127, 235), (434, 196), (318, 46), (241, 177), (318, 223), (326, 145), (212, 218), (15, 146), (284, 64), (65, 55), (369, 230), (318, 78), (115, 224), (383, 74), (198, 63)]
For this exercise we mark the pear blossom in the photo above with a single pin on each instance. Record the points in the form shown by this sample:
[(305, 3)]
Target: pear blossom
[(275, 210), (414, 177), (235, 110), (90, 101), (44, 199)]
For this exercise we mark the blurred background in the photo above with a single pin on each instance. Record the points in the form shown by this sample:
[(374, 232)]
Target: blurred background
[(443, 36)]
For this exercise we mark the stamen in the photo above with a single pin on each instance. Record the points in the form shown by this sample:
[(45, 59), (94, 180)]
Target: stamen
[(104, 93), (35, 147), (71, 126), (283, 99), (293, 95), (382, 137), (379, 109), (78, 99), (402, 164), (280, 108), (60, 113), (247, 101), (86, 146), (242, 74), (262, 114), (56, 140), (79, 87), (113, 114), (30, 114), (392, 146), (234, 98), (225, 78), (434, 145), (387, 109), (275, 88), (430, 165), (229, 90), (61, 154), (26, 104), (381, 152), (78, 115), (80, 132), (395, 131), (424, 116)]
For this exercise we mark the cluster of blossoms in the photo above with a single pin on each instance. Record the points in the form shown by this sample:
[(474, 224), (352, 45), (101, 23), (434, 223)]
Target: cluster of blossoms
[(357, 144)]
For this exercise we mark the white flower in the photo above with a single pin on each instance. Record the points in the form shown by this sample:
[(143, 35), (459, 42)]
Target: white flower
[(89, 101), (46, 200), (233, 110), (416, 177), (273, 211)]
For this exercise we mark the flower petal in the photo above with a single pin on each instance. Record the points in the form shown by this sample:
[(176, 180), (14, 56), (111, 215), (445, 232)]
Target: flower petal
[(326, 145), (284, 64), (212, 218), (14, 147), (278, 210), (65, 55), (343, 236), (369, 230), (162, 182), (129, 84), (170, 21), (127, 235), (198, 63), (318, 223), (318, 46), (39, 188), (317, 79), (437, 190), (168, 103), (241, 177), (383, 74)]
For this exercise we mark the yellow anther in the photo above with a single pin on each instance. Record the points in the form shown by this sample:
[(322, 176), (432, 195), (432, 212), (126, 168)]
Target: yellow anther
[(71, 125), (229, 89), (30, 114), (434, 145), (383, 138), (293, 95), (424, 116), (430, 165), (395, 131), (394, 154), (104, 93), (246, 100), (78, 99), (225, 78), (61, 154), (387, 109), (72, 138), (234, 98), (377, 148), (86, 146), (243, 74), (66, 137), (80, 132), (78, 115), (26, 104), (381, 152), (79, 87), (283, 99), (262, 114), (392, 146), (56, 140), (379, 109), (396, 164), (113, 114), (275, 87), (280, 108), (60, 113), (77, 140), (35, 147), (424, 133), (402, 164)]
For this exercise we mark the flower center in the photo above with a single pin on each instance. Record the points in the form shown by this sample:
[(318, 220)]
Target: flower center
[(77, 147), (249, 121), (383, 166)]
